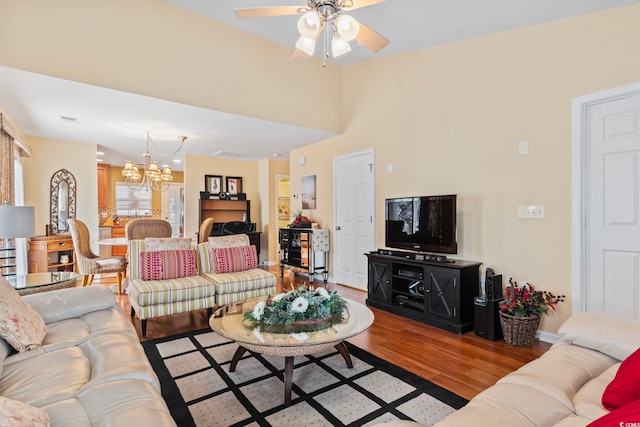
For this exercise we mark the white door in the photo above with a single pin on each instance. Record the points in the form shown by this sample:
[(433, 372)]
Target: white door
[(610, 149), (173, 208), (354, 232)]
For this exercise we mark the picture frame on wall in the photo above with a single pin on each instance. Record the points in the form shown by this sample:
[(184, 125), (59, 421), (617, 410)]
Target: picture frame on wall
[(234, 184), (213, 184), (309, 192), (284, 208)]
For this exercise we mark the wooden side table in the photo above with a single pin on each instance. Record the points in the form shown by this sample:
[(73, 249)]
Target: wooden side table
[(47, 253)]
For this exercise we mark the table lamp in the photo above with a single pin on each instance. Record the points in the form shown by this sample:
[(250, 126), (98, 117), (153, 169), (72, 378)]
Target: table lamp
[(16, 222)]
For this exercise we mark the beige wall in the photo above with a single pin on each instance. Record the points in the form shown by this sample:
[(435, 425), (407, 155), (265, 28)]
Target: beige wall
[(450, 118), (49, 156)]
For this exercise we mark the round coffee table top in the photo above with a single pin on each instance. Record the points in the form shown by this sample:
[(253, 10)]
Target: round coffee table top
[(228, 322)]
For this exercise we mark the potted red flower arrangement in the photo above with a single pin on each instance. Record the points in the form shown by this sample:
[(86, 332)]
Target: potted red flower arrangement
[(300, 221), (520, 312)]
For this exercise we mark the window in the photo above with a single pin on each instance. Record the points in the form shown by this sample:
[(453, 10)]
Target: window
[(132, 202)]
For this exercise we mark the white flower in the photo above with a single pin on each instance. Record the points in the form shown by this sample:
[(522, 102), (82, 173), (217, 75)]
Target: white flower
[(299, 305), (258, 335), (322, 292), (258, 310), (278, 297)]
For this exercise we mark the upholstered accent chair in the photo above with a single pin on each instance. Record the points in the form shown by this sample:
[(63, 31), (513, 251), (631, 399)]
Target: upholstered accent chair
[(205, 230), (90, 263), (141, 228)]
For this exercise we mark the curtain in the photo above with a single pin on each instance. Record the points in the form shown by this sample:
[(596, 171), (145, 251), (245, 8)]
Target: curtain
[(21, 244)]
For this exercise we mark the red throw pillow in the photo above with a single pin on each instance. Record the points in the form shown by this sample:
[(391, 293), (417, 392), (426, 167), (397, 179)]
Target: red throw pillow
[(239, 258), (162, 265), (628, 415), (625, 387)]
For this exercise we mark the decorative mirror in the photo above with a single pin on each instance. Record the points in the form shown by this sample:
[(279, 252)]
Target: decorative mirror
[(63, 201)]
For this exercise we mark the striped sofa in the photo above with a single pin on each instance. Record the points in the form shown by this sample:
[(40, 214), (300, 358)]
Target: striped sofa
[(164, 280)]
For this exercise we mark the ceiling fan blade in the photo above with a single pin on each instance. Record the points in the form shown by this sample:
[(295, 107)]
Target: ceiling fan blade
[(370, 39), (258, 12), (363, 3)]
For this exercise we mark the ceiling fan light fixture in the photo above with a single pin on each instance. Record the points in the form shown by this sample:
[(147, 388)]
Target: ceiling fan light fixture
[(339, 46), (309, 25), (306, 45), (347, 27)]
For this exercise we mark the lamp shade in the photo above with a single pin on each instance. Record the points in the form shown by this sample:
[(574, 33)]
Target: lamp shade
[(309, 24), (347, 27), (339, 46), (306, 44), (17, 221)]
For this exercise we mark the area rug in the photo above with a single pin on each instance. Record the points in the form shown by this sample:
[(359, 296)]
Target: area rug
[(200, 391)]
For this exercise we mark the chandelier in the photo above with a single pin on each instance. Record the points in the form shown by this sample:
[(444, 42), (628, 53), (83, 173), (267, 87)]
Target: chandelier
[(340, 28), (152, 177)]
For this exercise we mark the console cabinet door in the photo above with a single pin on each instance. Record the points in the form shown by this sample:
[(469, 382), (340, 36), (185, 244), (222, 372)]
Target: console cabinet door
[(441, 292), (379, 281)]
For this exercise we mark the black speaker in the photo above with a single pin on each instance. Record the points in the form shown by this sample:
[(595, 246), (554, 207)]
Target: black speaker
[(487, 319), (242, 196), (493, 286)]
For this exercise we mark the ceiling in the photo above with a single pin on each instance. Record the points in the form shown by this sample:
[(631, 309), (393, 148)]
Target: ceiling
[(118, 123)]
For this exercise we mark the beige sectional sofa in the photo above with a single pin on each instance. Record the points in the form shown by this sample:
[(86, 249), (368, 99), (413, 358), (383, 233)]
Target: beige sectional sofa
[(89, 370), (563, 387)]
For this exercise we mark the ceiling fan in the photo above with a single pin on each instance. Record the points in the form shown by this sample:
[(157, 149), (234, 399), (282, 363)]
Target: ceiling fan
[(341, 28)]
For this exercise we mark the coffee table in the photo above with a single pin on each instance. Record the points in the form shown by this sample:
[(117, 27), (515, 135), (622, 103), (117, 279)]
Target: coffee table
[(228, 322), (34, 283)]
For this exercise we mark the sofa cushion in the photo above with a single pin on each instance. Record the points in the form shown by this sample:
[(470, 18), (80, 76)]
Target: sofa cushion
[(19, 414), (239, 258), (20, 324), (170, 264), (152, 292), (625, 387), (627, 415), (167, 244), (205, 250)]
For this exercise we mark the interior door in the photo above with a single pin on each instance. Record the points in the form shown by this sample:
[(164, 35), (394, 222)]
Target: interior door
[(354, 217), (173, 208), (612, 207)]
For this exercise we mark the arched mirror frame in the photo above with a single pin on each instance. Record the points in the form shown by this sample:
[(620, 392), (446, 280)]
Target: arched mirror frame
[(61, 179)]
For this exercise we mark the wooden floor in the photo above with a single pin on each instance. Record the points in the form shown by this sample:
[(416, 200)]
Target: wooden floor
[(465, 364)]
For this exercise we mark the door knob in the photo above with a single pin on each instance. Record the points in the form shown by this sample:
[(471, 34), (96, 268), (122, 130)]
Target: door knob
[(337, 228)]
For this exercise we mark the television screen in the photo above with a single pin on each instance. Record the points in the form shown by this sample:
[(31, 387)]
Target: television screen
[(425, 224)]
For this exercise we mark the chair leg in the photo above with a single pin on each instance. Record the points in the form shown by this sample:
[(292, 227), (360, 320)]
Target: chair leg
[(133, 313), (144, 327), (90, 278), (85, 280), (120, 282)]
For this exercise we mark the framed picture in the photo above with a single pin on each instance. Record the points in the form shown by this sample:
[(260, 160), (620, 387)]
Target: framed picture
[(284, 208), (213, 184), (234, 184), (309, 192)]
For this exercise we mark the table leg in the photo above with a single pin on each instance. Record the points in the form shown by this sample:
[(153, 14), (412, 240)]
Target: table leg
[(344, 351), (288, 379), (236, 358)]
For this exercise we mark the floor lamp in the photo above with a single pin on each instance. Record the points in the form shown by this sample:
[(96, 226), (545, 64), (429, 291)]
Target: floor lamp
[(15, 222)]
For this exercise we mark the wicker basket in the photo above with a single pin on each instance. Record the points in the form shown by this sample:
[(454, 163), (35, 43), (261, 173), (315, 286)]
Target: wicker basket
[(519, 331)]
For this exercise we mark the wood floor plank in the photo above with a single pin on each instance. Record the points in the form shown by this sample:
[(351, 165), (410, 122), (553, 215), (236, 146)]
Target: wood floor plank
[(464, 364)]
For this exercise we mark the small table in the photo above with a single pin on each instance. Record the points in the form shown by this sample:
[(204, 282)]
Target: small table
[(228, 322), (34, 283), (113, 241)]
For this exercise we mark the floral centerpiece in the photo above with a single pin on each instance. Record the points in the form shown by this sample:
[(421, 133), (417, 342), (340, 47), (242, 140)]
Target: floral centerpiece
[(300, 221), (301, 306), (520, 312)]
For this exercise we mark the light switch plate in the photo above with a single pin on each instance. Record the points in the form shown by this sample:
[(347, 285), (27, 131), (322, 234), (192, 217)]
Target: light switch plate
[(531, 211)]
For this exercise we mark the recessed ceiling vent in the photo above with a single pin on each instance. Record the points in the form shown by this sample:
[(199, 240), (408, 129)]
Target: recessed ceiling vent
[(69, 119), (229, 154)]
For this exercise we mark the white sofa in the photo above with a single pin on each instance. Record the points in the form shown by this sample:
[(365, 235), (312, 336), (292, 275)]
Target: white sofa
[(90, 369), (563, 387)]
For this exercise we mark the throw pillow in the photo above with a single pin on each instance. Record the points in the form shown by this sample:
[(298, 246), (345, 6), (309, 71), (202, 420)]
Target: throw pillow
[(153, 244), (239, 258), (15, 413), (627, 415), (162, 265), (20, 325), (625, 387)]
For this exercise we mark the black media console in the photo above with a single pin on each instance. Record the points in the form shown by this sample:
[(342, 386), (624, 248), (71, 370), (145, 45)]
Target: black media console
[(439, 292)]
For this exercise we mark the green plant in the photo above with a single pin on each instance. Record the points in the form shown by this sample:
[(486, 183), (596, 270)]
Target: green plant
[(303, 303), (527, 301)]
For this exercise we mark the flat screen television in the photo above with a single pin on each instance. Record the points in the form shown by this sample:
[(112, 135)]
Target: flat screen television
[(424, 224)]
